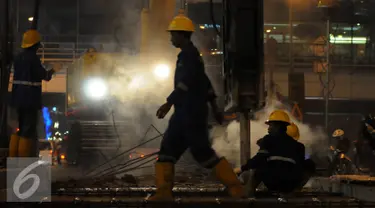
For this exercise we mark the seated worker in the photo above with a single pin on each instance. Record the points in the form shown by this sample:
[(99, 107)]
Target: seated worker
[(279, 161)]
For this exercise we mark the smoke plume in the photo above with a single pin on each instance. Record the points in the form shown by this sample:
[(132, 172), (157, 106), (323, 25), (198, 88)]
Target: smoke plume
[(228, 144)]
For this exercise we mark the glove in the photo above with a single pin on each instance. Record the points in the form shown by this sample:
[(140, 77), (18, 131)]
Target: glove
[(163, 110), (237, 171)]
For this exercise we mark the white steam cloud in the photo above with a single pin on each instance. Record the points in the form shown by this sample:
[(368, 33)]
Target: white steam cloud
[(228, 144)]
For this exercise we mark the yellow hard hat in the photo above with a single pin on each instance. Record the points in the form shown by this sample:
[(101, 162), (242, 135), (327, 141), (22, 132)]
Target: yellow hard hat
[(338, 133), (278, 115), (30, 38), (181, 23), (292, 130)]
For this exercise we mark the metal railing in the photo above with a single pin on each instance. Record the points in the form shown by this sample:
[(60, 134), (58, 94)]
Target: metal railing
[(303, 57), (58, 52)]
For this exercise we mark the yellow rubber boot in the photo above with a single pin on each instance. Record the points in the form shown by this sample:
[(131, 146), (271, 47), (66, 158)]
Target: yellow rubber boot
[(224, 173), (26, 147), (13, 145), (164, 172)]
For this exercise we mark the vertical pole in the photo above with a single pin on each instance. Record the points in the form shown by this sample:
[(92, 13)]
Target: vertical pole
[(4, 74), (77, 28), (182, 4), (271, 60), (245, 137), (18, 16), (291, 60), (327, 77), (34, 23)]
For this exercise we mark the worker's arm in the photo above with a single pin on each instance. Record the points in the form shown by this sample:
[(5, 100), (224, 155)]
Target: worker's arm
[(187, 65), (260, 158), (40, 72)]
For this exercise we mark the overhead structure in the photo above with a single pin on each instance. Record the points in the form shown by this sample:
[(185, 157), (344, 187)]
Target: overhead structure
[(242, 36)]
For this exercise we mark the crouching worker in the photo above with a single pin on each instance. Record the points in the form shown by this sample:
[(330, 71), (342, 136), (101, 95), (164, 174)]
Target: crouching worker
[(279, 162)]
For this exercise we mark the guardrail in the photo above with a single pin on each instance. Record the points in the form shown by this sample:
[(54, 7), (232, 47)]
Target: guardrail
[(303, 58)]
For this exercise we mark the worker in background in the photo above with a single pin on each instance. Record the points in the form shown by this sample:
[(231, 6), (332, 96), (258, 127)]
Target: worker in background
[(27, 95), (279, 161), (188, 126), (362, 147), (369, 136), (341, 145), (370, 125), (57, 135)]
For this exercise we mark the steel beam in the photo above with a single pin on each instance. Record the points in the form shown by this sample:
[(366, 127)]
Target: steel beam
[(65, 201)]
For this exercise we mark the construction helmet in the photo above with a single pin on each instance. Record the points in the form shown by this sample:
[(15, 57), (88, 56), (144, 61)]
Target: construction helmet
[(338, 133), (279, 115), (181, 23), (30, 38), (293, 131)]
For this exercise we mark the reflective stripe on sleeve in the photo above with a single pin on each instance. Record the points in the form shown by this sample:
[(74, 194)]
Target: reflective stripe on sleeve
[(17, 82), (280, 158), (182, 86), (263, 151)]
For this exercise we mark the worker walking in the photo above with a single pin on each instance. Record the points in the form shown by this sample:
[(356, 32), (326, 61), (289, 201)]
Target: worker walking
[(188, 126), (27, 95), (279, 161)]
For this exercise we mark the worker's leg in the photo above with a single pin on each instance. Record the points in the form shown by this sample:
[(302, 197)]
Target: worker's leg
[(309, 169), (333, 165), (172, 147), (15, 138), (251, 179), (200, 147), (28, 134), (13, 145)]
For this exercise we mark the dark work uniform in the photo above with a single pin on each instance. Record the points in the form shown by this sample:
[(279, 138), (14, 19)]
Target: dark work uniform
[(279, 162), (188, 126), (343, 144), (27, 91)]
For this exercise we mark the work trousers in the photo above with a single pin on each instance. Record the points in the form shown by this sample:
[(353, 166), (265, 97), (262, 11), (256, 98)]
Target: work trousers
[(183, 133), (27, 122)]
